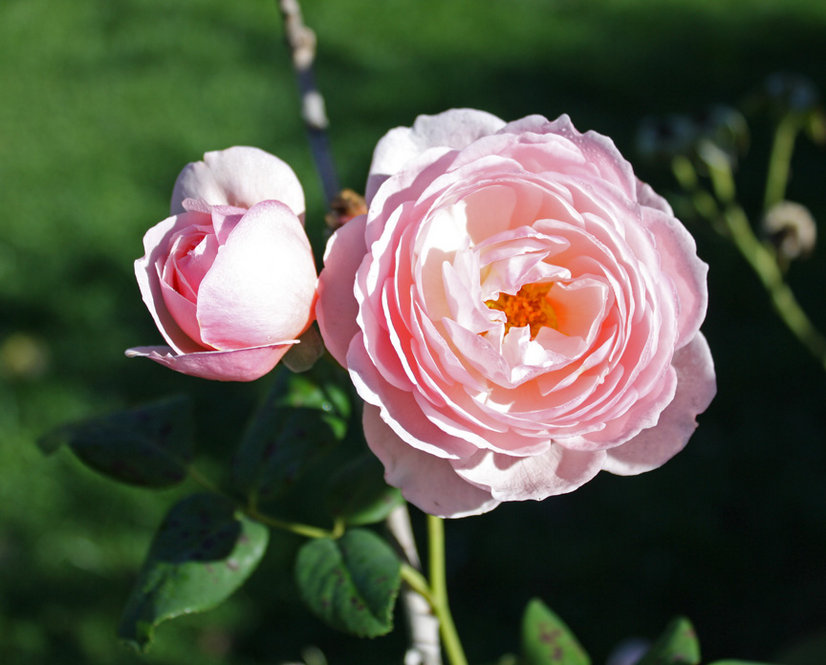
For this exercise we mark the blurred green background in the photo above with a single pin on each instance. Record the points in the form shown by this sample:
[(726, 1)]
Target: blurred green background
[(102, 103)]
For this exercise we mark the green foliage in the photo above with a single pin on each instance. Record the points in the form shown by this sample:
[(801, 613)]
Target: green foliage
[(202, 552), (677, 645), (104, 102), (358, 494), (546, 640), (351, 583), (150, 446), (297, 424)]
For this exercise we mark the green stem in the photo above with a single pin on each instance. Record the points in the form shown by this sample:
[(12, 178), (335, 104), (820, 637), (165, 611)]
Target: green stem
[(297, 528), (438, 596), (416, 581), (760, 258), (251, 509), (764, 264), (780, 160)]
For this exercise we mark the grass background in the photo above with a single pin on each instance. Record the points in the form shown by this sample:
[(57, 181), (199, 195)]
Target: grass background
[(103, 101)]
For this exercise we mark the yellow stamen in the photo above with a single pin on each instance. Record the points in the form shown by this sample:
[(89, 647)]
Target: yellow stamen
[(529, 307)]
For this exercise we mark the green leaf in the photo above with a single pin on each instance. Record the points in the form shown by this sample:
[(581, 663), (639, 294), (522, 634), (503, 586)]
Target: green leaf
[(546, 640), (296, 424), (351, 583), (358, 494), (677, 645), (150, 445), (202, 552)]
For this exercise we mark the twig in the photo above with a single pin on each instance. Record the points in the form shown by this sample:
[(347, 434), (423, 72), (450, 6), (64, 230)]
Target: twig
[(302, 43)]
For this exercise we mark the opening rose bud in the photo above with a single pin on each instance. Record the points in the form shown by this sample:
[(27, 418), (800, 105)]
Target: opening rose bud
[(517, 310), (230, 280)]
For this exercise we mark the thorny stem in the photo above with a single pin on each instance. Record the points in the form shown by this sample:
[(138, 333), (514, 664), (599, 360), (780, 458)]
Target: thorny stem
[(302, 43)]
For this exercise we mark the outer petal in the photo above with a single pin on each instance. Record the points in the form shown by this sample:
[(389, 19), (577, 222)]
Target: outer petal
[(261, 287), (678, 258), (556, 471), (599, 151), (455, 128), (337, 308), (426, 481), (239, 176), (155, 243), (696, 386), (240, 365)]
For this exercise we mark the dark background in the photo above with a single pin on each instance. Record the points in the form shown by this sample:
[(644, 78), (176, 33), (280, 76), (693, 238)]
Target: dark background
[(105, 100)]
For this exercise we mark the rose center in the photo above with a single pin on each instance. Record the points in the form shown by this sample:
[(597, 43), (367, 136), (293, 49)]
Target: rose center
[(529, 307)]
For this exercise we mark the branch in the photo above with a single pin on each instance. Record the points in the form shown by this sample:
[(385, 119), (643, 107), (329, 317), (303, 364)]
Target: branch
[(302, 43)]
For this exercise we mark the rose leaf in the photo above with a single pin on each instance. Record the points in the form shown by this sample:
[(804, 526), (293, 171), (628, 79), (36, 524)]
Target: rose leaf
[(351, 583), (546, 640), (150, 445), (201, 553), (297, 423), (677, 645), (358, 494)]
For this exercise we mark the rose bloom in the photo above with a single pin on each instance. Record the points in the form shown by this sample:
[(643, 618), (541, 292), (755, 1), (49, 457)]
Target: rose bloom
[(229, 278), (517, 310)]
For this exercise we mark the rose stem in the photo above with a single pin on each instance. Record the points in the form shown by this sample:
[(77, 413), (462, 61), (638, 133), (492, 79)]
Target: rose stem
[(302, 43), (438, 585)]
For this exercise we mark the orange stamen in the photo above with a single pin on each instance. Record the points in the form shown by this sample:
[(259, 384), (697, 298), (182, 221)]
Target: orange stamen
[(529, 307)]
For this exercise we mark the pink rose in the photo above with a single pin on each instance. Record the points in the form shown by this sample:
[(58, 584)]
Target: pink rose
[(229, 278), (517, 310)]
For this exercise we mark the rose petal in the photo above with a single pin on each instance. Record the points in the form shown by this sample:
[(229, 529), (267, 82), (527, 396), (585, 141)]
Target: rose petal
[(556, 471), (239, 176), (260, 289), (455, 128), (399, 409), (156, 247), (426, 481), (238, 365), (678, 251), (696, 386), (336, 309)]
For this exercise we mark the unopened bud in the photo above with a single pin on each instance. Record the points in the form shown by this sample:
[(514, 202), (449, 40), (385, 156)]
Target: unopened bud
[(791, 229)]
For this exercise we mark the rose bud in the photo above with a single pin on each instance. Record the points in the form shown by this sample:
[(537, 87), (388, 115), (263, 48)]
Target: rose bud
[(229, 278)]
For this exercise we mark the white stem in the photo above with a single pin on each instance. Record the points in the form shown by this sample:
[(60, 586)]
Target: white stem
[(425, 647)]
